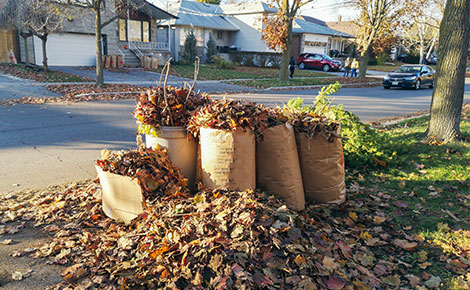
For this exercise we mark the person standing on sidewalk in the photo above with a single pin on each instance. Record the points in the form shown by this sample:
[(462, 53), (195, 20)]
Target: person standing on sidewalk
[(347, 67), (354, 67), (291, 67)]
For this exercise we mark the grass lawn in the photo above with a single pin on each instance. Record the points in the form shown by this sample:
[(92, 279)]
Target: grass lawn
[(211, 72), (296, 81), (427, 193), (51, 76)]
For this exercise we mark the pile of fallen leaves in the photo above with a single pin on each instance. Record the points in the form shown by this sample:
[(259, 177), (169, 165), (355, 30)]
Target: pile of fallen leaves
[(81, 93), (156, 174), (92, 92), (168, 106), (40, 75), (229, 114), (223, 240)]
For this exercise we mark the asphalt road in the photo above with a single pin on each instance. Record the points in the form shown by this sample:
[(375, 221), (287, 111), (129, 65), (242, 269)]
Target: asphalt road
[(49, 144), (368, 103)]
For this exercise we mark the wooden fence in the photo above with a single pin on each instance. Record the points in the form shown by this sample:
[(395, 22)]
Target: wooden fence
[(8, 41)]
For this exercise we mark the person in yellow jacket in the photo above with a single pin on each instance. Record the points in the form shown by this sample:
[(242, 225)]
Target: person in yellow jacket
[(354, 67)]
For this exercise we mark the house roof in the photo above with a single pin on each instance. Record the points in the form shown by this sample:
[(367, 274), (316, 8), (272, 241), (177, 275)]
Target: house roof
[(152, 10), (304, 26), (314, 20), (197, 14), (345, 26), (247, 8)]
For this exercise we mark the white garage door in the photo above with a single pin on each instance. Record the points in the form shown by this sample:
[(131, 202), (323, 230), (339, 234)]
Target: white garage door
[(67, 49)]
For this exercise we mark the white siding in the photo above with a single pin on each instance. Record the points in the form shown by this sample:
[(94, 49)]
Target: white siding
[(249, 36)]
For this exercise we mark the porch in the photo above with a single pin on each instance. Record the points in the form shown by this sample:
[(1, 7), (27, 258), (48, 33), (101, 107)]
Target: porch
[(133, 51)]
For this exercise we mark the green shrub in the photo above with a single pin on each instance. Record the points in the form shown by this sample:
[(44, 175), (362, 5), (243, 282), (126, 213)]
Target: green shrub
[(372, 61), (189, 53), (362, 144), (382, 58), (220, 62), (211, 49)]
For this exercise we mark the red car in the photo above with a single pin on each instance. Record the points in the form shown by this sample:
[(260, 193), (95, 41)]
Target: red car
[(318, 61)]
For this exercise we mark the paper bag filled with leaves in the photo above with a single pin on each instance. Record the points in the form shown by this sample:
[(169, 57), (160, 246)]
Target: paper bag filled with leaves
[(228, 159), (227, 130), (131, 178), (322, 166), (277, 165)]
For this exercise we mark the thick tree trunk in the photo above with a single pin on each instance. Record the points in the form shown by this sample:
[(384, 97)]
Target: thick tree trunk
[(99, 52), (286, 55), (363, 60), (44, 52), (447, 98)]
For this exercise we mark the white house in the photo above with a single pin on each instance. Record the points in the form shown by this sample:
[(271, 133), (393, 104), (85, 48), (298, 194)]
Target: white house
[(132, 35), (238, 27), (311, 36)]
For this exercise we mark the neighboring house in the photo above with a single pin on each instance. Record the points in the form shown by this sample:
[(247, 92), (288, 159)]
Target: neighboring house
[(204, 20), (313, 36), (239, 27), (232, 26), (132, 36)]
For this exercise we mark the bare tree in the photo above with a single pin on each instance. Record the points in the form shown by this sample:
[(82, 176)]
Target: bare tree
[(35, 18), (379, 18), (447, 97), (119, 8), (423, 32)]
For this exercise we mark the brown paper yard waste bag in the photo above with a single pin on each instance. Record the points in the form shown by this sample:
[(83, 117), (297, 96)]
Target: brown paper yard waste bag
[(228, 159), (277, 165), (181, 151), (121, 196), (322, 166)]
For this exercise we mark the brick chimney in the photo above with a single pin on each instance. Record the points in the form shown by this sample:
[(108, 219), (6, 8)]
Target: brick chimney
[(339, 18)]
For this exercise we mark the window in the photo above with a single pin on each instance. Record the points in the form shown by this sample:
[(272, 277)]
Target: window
[(315, 57), (145, 31), (134, 30), (220, 34), (122, 30)]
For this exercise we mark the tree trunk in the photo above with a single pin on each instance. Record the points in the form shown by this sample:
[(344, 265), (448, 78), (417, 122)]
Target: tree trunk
[(363, 60), (421, 52), (286, 54), (447, 98), (44, 51), (99, 52)]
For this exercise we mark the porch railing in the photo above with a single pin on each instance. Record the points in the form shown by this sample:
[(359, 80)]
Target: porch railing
[(162, 46)]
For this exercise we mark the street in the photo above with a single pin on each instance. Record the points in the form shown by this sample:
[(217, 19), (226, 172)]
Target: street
[(49, 144)]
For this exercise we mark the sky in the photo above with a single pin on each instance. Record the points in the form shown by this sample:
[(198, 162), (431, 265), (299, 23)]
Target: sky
[(326, 10)]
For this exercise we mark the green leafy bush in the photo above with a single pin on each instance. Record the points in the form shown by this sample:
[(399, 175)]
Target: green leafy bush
[(220, 62), (362, 144), (382, 58), (372, 61)]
